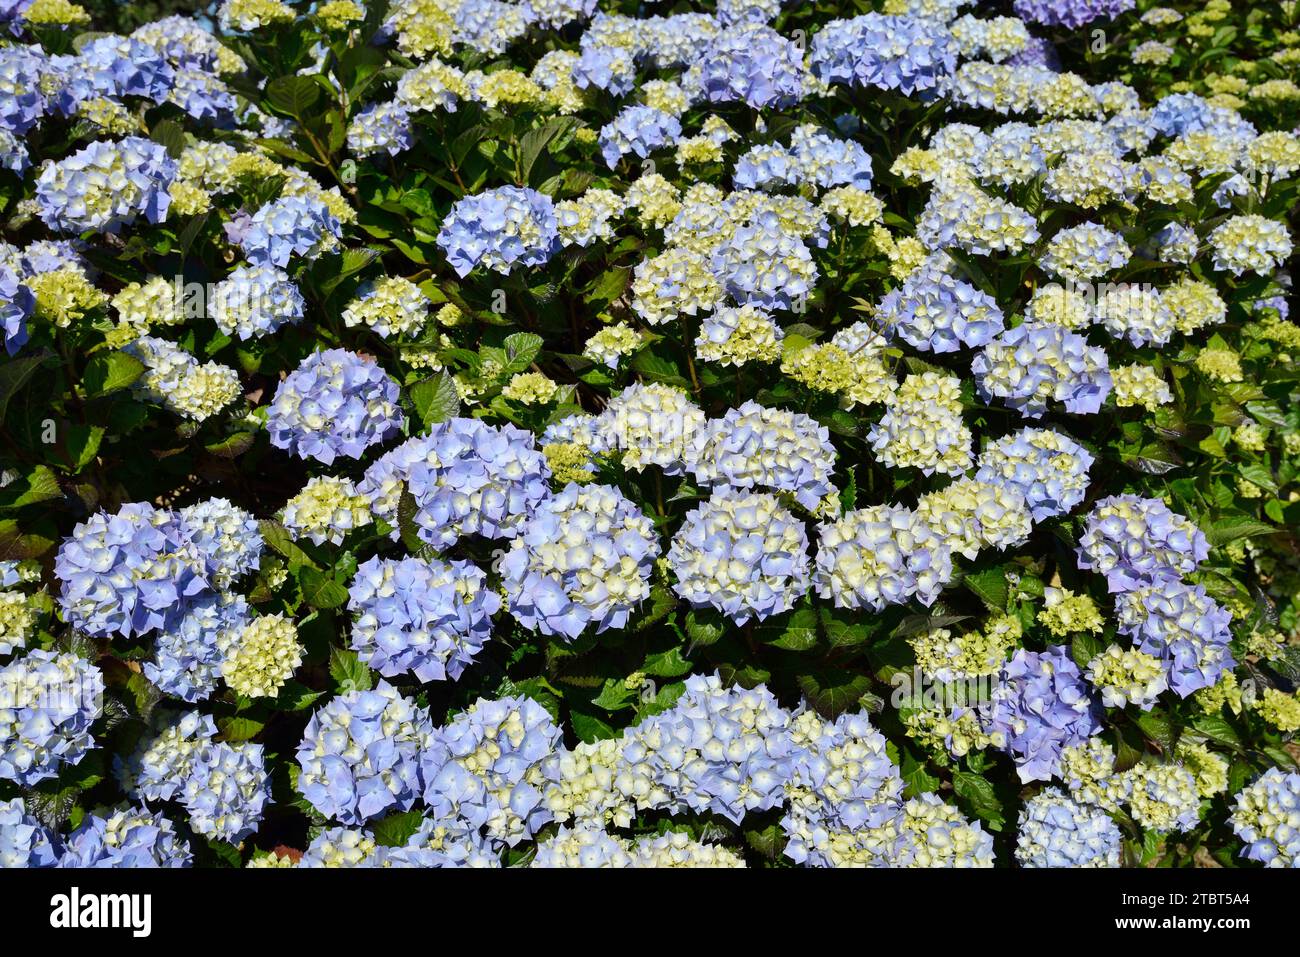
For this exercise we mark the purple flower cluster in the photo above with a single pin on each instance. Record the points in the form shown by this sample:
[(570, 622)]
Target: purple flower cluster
[(1136, 541), (499, 229), (467, 478), (336, 403), (934, 312), (903, 53), (287, 227), (429, 618), (1039, 706)]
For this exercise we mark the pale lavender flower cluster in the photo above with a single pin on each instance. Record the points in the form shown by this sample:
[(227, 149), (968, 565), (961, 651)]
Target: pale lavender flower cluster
[(1034, 364), (1136, 541), (752, 64), (903, 53), (126, 837), (426, 617), (741, 553), (765, 265), (881, 555), (843, 781), (500, 229), (381, 128), (814, 158), (485, 766), (187, 658), (287, 227), (1056, 831), (48, 702), (582, 558), (254, 301), (1048, 468), (638, 130), (1266, 815), (467, 478), (16, 305), (753, 446), (1069, 13), (25, 841), (22, 104), (722, 750), (935, 312), (361, 753), (1040, 706), (336, 403), (1182, 626), (130, 572), (105, 186)]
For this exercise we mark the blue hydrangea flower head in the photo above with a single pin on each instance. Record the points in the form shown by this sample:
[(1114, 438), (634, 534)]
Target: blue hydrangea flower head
[(485, 766), (126, 837), (935, 312), (500, 229), (741, 553), (254, 301), (583, 558), (25, 841), (1055, 831), (467, 477), (878, 556), (1071, 14), (336, 403), (105, 186), (425, 617), (22, 104), (1182, 626), (1047, 467), (756, 447), (912, 55), (130, 572), (638, 130), (1034, 364), (360, 756), (287, 227), (1136, 541), (1266, 816), (16, 306), (753, 64), (1040, 706)]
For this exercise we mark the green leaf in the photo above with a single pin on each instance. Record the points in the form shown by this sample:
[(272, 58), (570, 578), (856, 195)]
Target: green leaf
[(109, 371), (349, 672), (277, 538), (1231, 529), (14, 374), (666, 664), (979, 794), (614, 695), (521, 350), (294, 95), (436, 399), (238, 729), (171, 136), (232, 446), (704, 626), (82, 443), (39, 485), (296, 696), (990, 587), (833, 692), (396, 829), (916, 779), (798, 632), (319, 591)]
